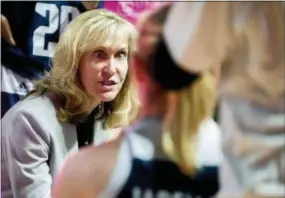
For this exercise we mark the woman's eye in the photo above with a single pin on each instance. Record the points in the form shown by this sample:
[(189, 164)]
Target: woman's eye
[(99, 54), (122, 54)]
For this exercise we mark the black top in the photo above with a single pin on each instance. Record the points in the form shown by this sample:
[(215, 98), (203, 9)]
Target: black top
[(85, 127), (85, 130), (155, 178)]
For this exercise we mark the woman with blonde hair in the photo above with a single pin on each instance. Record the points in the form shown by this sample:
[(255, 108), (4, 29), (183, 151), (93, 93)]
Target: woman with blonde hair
[(84, 100), (172, 150)]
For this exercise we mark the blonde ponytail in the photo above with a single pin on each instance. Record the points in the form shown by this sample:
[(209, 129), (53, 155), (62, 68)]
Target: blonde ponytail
[(187, 109)]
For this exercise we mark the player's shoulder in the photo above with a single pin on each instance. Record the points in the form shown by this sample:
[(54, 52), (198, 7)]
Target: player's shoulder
[(89, 170)]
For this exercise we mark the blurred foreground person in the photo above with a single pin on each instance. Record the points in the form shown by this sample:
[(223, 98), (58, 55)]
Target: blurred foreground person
[(247, 40), (84, 100), (172, 150)]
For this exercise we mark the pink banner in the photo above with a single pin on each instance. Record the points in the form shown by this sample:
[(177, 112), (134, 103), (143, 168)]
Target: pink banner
[(130, 10)]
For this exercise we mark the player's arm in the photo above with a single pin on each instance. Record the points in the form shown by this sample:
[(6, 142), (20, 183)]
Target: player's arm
[(90, 5), (71, 180), (86, 173), (192, 31), (6, 32)]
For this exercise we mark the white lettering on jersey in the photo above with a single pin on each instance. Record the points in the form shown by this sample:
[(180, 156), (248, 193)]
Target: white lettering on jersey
[(137, 192), (58, 19)]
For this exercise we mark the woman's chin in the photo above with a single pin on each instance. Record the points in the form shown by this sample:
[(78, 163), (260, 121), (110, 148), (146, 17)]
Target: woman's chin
[(108, 96)]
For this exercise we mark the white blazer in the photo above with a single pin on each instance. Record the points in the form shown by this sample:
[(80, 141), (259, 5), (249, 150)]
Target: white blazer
[(34, 144)]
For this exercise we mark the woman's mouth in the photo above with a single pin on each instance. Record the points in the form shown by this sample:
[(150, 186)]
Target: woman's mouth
[(107, 85), (107, 82)]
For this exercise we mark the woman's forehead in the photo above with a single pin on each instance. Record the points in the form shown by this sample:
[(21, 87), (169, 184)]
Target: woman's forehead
[(113, 37), (118, 40), (116, 43)]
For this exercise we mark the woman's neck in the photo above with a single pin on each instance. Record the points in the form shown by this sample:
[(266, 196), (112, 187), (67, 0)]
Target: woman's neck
[(94, 106)]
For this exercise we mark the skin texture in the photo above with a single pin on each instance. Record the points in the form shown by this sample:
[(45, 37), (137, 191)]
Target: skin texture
[(6, 32), (87, 181), (103, 70), (89, 5)]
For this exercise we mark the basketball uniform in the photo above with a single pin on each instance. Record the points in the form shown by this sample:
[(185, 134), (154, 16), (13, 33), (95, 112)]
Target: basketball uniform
[(36, 27), (144, 171)]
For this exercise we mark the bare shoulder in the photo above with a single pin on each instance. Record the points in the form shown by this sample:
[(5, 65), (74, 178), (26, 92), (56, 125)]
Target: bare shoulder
[(86, 173)]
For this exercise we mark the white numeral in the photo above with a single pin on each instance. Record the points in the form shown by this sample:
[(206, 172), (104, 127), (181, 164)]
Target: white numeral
[(66, 11), (57, 19)]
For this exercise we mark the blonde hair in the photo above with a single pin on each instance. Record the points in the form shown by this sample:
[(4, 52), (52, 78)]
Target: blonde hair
[(186, 108), (83, 34)]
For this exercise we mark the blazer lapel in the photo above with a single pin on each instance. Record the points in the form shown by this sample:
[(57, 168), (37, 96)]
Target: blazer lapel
[(70, 135)]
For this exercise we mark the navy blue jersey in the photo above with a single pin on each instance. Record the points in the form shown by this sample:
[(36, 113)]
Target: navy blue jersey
[(164, 179), (36, 27), (144, 171)]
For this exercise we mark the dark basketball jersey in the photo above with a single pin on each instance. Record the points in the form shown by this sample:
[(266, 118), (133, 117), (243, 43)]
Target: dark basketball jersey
[(36, 28), (144, 171)]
